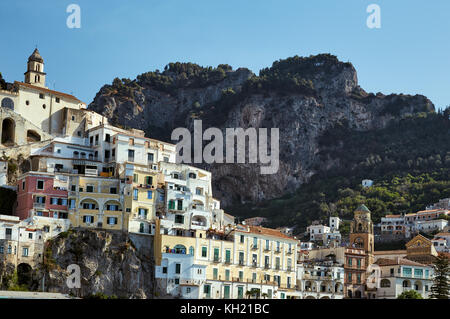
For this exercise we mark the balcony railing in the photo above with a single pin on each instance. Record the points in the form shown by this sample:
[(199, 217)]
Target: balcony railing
[(254, 265), (241, 263), (254, 247), (216, 259), (266, 266), (38, 205)]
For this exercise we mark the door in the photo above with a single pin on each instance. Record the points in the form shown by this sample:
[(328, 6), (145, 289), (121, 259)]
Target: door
[(226, 292), (240, 292)]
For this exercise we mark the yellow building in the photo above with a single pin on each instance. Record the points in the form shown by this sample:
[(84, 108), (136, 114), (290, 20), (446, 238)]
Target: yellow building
[(238, 261), (97, 202)]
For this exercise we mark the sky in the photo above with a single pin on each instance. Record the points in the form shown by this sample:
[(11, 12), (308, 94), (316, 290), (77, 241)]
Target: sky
[(408, 54)]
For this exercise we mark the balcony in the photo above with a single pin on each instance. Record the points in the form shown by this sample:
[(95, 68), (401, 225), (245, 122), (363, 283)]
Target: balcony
[(266, 249), (277, 267), (266, 266), (241, 263), (216, 259), (254, 247), (289, 268), (289, 252), (38, 205), (254, 264), (278, 250)]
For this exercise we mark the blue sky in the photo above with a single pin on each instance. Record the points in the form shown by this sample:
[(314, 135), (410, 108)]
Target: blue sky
[(409, 54)]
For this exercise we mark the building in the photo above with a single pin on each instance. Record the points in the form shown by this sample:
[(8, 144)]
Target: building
[(441, 242), (399, 275), (321, 279), (393, 226), (427, 226), (317, 232), (20, 244), (421, 250), (32, 112), (335, 222), (42, 194), (367, 183), (239, 261)]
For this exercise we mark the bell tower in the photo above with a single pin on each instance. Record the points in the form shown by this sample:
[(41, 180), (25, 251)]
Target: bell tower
[(361, 232), (35, 70)]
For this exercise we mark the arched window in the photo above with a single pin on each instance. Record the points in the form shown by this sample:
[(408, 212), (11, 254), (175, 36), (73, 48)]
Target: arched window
[(385, 283), (180, 249), (76, 154), (405, 283), (360, 228)]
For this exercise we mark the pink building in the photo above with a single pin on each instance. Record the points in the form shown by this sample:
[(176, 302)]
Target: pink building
[(41, 194)]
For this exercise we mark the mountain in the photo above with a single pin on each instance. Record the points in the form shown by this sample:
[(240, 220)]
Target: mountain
[(315, 102)]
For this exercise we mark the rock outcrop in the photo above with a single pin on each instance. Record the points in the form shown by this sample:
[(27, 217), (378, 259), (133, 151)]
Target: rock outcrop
[(303, 97), (109, 261)]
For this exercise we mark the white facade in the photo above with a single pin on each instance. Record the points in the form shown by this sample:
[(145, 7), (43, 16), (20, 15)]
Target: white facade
[(316, 232), (367, 183), (179, 276), (430, 225), (335, 222), (320, 280)]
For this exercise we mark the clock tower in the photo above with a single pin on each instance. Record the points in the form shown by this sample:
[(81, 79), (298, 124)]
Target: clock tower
[(361, 232)]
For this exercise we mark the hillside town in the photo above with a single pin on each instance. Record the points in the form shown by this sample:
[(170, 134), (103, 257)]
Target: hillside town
[(81, 172)]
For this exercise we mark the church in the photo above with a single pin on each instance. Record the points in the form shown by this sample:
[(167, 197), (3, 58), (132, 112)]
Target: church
[(31, 112)]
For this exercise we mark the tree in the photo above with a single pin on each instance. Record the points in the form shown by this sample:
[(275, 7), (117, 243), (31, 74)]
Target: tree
[(410, 294), (440, 288)]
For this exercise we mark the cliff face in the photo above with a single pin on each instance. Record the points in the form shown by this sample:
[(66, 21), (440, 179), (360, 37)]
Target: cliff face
[(111, 263), (303, 97)]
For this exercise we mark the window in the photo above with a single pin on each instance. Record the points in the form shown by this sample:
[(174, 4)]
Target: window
[(227, 256), (23, 185), (242, 239), (192, 175), (180, 204), (1, 250), (216, 254), (40, 184), (30, 235), (107, 154), (166, 159), (72, 203), (350, 277), (135, 194), (148, 180), (131, 155), (9, 249), (41, 95), (254, 277), (113, 190), (227, 274), (150, 157), (112, 220), (135, 178), (177, 281), (349, 261), (57, 100), (199, 191), (107, 138), (241, 258), (267, 244), (171, 204), (27, 102), (179, 219), (178, 268), (90, 188), (241, 275), (215, 273), (149, 194), (204, 251), (25, 251), (142, 212), (113, 153), (188, 290), (96, 139), (88, 219), (255, 242), (407, 272), (164, 270)]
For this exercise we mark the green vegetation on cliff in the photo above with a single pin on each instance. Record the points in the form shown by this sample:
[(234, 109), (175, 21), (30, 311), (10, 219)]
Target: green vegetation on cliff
[(408, 161)]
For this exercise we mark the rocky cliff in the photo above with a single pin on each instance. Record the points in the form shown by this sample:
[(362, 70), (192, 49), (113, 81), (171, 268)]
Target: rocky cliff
[(303, 97), (111, 263)]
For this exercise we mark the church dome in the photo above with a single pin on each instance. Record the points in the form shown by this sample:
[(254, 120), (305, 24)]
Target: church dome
[(36, 57)]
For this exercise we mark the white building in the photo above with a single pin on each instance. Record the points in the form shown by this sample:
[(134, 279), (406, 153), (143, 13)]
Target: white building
[(441, 242), (430, 225), (179, 275), (316, 232), (399, 275), (320, 280), (335, 222), (367, 183)]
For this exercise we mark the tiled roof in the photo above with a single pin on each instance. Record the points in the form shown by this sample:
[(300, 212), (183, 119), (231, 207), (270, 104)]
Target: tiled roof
[(442, 234), (393, 216), (268, 232), (48, 91), (397, 261)]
